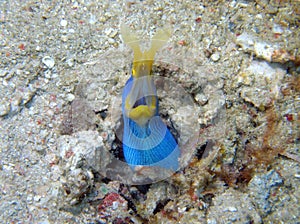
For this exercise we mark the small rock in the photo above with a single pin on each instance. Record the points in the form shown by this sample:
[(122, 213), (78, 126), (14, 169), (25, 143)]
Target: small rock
[(102, 19), (92, 19), (277, 29), (262, 82), (251, 43), (47, 74), (113, 33), (111, 41), (27, 96), (282, 56), (260, 188), (15, 104), (108, 31), (201, 98), (64, 38), (260, 98), (77, 183), (112, 204), (231, 209), (4, 108), (63, 22), (48, 61), (228, 202), (37, 198), (70, 62), (246, 41), (29, 198), (211, 221), (156, 194), (45, 221), (70, 97), (263, 50), (85, 147), (215, 57), (3, 73)]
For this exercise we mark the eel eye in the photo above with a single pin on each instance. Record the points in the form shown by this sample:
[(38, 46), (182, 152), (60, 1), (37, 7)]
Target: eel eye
[(133, 72)]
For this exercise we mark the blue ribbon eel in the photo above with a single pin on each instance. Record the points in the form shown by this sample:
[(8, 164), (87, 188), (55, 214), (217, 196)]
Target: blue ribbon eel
[(146, 138)]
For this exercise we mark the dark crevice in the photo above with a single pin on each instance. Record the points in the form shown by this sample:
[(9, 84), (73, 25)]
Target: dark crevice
[(117, 149), (200, 151), (143, 188), (160, 206), (102, 113)]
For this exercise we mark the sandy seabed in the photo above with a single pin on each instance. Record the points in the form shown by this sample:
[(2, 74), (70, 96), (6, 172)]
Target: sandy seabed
[(63, 67)]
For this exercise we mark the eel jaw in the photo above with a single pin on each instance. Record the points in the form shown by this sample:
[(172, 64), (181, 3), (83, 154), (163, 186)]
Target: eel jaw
[(141, 101), (142, 114)]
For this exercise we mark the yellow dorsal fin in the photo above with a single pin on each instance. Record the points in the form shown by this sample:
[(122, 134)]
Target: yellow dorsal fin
[(142, 61), (131, 40), (159, 39)]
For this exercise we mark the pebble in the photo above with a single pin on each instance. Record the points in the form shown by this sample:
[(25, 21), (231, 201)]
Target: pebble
[(86, 144), (113, 33), (19, 72), (4, 108), (63, 22), (277, 29), (263, 50), (70, 97), (260, 188), (115, 205), (52, 104), (234, 205), (47, 74), (27, 96), (45, 221), (37, 198), (262, 82), (14, 105), (251, 43), (108, 31), (48, 61), (92, 19), (215, 57), (201, 98), (29, 198), (64, 38), (70, 62), (3, 72), (211, 221), (102, 19), (231, 209), (111, 41)]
